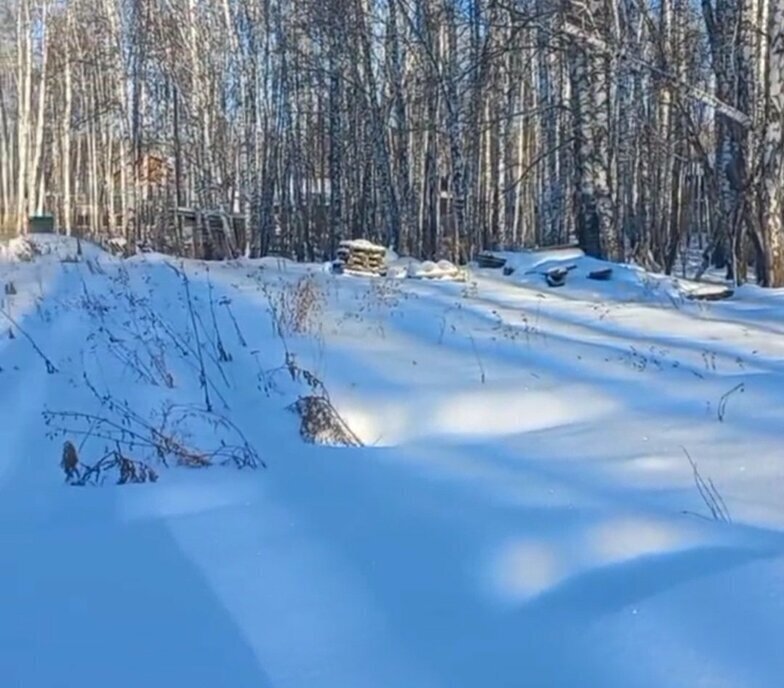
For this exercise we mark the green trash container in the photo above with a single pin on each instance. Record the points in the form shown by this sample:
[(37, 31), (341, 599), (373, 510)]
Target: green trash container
[(41, 224)]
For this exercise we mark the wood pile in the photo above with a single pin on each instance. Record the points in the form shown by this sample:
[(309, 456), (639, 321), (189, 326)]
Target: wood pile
[(360, 256)]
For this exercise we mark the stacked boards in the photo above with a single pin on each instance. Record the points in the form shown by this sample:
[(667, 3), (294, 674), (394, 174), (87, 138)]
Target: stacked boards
[(361, 256)]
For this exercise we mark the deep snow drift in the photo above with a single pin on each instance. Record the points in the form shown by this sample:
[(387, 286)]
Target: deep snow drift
[(522, 512)]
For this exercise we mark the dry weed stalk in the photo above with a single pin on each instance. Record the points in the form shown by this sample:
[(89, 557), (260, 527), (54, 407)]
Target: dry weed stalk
[(296, 307), (128, 470), (708, 492)]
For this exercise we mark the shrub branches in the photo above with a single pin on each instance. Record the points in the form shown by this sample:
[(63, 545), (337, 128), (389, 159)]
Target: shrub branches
[(165, 438)]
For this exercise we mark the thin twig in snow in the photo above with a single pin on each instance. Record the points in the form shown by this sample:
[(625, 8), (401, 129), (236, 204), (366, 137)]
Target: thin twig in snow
[(50, 367), (722, 410)]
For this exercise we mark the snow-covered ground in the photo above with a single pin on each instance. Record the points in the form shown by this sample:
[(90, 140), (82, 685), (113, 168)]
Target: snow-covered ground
[(523, 512)]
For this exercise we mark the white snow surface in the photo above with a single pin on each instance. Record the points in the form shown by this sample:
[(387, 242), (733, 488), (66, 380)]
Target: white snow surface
[(522, 514), (363, 245), (401, 268)]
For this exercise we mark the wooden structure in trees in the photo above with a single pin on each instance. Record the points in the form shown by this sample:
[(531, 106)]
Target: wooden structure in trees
[(209, 234)]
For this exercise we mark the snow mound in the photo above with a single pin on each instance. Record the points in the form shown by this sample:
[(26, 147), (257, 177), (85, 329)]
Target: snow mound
[(397, 270), (428, 269), (625, 282), (19, 249), (61, 248), (527, 261)]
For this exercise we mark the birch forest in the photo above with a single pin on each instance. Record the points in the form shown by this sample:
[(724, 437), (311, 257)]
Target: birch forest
[(437, 127)]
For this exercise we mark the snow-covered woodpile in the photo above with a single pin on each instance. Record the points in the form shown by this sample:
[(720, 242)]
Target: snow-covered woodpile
[(360, 255)]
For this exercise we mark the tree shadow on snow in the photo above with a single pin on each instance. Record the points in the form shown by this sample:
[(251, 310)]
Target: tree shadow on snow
[(108, 604)]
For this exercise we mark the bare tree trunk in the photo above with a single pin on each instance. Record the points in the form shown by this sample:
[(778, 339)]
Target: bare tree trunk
[(24, 95), (770, 268), (66, 169), (596, 221)]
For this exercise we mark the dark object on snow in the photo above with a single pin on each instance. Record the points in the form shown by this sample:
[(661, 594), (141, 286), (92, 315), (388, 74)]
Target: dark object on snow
[(338, 266), (508, 270), (40, 224), (488, 260), (601, 275), (70, 462), (128, 471), (322, 424), (556, 277), (712, 295), (10, 289)]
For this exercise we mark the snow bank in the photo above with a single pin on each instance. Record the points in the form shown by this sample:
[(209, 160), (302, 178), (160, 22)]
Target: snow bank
[(522, 512), (18, 249), (53, 246), (411, 268), (627, 282)]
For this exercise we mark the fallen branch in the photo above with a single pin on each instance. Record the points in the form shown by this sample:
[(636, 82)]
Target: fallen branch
[(478, 358), (722, 410), (50, 367), (200, 356), (226, 302), (223, 355)]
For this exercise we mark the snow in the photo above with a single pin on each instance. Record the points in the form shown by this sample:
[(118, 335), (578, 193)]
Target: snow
[(363, 245), (402, 268), (628, 283), (522, 512)]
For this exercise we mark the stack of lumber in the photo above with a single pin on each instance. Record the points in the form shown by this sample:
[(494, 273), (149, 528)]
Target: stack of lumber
[(362, 256)]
